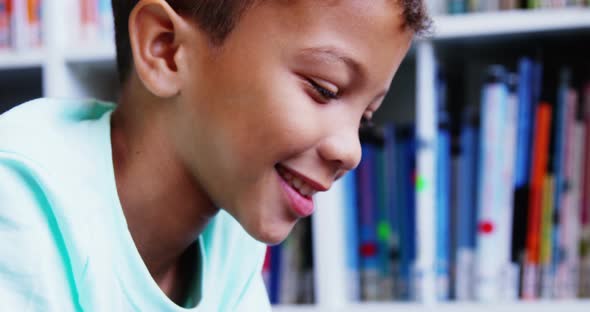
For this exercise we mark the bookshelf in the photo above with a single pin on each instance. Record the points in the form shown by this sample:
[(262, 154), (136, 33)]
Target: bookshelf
[(16, 60), (474, 25), (62, 68), (543, 306)]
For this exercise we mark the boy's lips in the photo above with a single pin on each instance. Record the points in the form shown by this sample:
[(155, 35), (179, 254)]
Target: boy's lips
[(298, 190), (314, 185)]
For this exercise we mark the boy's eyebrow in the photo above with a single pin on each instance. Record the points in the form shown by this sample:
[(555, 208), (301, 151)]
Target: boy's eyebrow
[(353, 66), (359, 72)]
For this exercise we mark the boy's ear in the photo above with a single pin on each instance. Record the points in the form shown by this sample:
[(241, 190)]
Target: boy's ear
[(155, 36)]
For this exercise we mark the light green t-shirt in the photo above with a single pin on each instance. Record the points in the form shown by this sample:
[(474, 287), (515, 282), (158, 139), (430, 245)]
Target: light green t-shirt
[(64, 241)]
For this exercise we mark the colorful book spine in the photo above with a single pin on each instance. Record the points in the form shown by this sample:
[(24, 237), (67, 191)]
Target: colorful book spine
[(275, 274), (33, 23), (567, 241), (406, 155), (18, 24), (4, 24), (560, 157), (368, 265), (350, 203), (585, 213), (89, 21), (106, 24), (456, 7), (491, 253), (538, 171), (266, 271), (290, 265), (383, 225), (393, 226), (522, 165), (546, 242), (466, 216)]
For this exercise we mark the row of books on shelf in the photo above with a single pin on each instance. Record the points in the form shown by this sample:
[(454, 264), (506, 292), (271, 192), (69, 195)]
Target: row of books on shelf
[(20, 24), (513, 187), (94, 23), (512, 196), (440, 7), (288, 268)]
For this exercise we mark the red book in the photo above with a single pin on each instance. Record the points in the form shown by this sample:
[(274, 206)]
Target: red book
[(538, 170)]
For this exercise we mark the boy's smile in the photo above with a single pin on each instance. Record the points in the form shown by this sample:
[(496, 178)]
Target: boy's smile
[(299, 190), (272, 116)]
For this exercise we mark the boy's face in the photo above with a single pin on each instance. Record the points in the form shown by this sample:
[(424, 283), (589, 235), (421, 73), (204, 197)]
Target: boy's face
[(285, 93)]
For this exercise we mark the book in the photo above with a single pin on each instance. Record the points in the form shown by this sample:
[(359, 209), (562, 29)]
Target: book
[(383, 219), (443, 192), (522, 162), (391, 228), (509, 270), (25, 24), (347, 197), (538, 171), (467, 203), (545, 273), (368, 263), (566, 271), (275, 274), (584, 283), (266, 271), (4, 24), (406, 163), (557, 160), (495, 183)]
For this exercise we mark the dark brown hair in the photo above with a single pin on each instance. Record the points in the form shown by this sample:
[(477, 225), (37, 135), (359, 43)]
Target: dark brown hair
[(218, 17)]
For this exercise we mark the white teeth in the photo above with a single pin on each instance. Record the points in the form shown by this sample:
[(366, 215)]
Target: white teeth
[(305, 190), (302, 187), (297, 183)]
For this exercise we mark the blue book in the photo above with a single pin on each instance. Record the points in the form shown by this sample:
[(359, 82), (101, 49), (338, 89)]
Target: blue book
[(369, 262), (351, 218), (390, 149), (275, 274), (410, 178), (405, 163), (466, 216), (525, 120)]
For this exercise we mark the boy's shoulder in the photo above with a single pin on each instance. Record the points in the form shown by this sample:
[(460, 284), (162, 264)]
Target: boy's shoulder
[(50, 132), (45, 118)]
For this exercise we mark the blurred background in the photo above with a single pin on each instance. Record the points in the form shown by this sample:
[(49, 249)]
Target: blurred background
[(474, 189)]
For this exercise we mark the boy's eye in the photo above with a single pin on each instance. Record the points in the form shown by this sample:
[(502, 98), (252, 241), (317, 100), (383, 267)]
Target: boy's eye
[(323, 90)]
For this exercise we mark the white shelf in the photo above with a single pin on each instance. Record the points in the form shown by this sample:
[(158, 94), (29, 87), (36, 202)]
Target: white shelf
[(16, 60), (510, 22), (91, 53), (538, 306)]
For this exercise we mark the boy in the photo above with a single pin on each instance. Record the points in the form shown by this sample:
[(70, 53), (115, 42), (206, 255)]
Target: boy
[(232, 115)]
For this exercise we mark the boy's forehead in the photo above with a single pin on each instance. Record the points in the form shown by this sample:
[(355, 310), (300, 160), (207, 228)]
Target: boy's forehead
[(362, 34)]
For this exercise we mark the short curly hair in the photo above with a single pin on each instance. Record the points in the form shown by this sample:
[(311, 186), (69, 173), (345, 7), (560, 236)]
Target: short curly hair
[(218, 18)]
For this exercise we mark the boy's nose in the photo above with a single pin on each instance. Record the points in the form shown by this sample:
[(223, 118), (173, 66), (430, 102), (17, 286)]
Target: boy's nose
[(342, 150)]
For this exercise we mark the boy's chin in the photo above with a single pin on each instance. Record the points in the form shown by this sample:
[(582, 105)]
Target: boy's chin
[(271, 233)]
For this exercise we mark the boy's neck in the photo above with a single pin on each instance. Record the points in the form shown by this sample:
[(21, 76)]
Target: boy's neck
[(165, 208)]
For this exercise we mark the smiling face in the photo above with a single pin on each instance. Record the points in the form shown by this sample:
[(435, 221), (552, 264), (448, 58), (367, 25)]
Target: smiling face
[(273, 115)]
